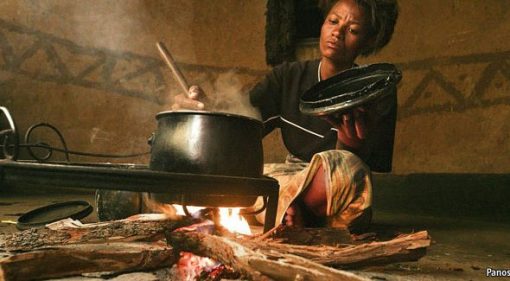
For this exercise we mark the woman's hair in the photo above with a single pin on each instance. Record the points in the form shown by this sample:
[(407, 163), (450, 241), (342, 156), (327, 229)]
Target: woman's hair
[(381, 15)]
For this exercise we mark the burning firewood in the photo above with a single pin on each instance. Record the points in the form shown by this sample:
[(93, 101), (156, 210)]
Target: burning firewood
[(218, 248), (252, 257), (143, 227), (73, 248), (253, 263)]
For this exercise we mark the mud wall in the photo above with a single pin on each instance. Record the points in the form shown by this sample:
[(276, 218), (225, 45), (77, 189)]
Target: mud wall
[(92, 70), (454, 100)]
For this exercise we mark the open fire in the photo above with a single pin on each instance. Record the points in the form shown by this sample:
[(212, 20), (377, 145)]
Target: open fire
[(229, 218), (190, 266), (135, 244)]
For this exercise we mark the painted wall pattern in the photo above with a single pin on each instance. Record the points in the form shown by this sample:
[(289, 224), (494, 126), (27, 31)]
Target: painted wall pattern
[(456, 83), (48, 58), (442, 84)]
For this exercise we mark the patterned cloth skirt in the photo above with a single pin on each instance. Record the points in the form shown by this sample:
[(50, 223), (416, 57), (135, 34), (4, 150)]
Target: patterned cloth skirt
[(348, 187)]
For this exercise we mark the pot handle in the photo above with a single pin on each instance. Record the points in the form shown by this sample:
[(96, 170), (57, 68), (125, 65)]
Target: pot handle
[(11, 135), (150, 140)]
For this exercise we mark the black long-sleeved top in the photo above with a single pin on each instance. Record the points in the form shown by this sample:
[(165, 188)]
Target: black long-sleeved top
[(277, 97)]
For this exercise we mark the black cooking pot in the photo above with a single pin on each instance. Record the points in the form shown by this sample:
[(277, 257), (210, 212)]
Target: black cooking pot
[(202, 142), (207, 143)]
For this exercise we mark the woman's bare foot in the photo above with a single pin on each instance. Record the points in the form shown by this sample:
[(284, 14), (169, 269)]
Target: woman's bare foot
[(309, 208), (294, 216)]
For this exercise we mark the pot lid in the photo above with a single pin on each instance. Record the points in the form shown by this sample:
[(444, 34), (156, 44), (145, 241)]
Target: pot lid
[(47, 214), (350, 88)]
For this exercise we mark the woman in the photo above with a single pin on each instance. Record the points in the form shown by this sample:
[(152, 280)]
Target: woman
[(326, 179)]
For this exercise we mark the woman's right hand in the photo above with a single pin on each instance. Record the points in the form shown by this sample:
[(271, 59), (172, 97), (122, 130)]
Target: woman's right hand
[(351, 127), (194, 100)]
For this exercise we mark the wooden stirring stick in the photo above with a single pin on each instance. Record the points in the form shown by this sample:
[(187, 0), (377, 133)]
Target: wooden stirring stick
[(167, 57)]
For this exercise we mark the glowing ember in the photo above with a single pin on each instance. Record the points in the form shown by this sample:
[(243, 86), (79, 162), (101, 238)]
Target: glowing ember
[(190, 266)]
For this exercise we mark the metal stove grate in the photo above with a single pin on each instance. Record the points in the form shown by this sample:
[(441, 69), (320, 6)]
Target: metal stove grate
[(139, 178)]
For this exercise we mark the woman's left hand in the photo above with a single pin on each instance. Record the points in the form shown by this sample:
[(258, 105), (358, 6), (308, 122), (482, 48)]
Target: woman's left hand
[(351, 126)]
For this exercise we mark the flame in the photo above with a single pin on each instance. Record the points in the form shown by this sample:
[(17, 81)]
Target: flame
[(190, 266), (233, 221), (191, 209), (230, 218)]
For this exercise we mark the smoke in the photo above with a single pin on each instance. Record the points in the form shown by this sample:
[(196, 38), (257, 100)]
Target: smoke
[(229, 96), (113, 26)]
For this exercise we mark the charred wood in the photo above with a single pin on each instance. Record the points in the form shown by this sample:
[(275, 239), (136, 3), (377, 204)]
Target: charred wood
[(251, 263), (221, 249)]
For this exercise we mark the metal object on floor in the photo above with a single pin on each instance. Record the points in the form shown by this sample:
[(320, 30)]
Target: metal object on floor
[(54, 212), (140, 178)]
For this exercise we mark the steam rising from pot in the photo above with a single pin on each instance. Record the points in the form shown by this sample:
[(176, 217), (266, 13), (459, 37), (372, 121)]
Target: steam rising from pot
[(227, 93), (229, 97)]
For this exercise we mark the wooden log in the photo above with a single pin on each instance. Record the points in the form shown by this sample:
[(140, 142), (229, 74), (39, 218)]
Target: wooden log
[(407, 247), (255, 265), (308, 236), (221, 249), (290, 267), (82, 258), (144, 227)]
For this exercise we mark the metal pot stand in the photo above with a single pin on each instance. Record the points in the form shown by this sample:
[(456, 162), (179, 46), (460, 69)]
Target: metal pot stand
[(225, 190), (166, 187)]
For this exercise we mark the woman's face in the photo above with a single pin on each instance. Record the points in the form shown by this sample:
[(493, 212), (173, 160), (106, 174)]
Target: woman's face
[(343, 33)]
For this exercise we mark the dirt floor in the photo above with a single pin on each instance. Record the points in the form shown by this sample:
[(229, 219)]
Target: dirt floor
[(461, 249)]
